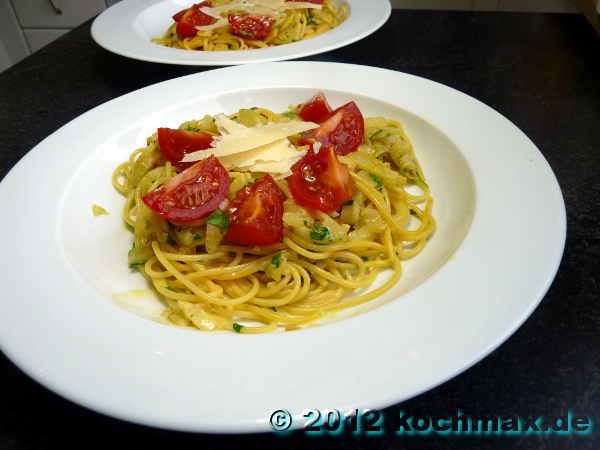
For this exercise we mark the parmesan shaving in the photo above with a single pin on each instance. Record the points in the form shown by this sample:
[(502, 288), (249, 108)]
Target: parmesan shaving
[(268, 7), (276, 157), (218, 24), (250, 138), (227, 126)]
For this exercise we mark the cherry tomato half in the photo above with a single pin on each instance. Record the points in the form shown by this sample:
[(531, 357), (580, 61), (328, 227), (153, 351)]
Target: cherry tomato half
[(256, 214), (320, 181), (191, 195), (344, 129), (175, 144), (315, 110), (250, 26), (188, 19)]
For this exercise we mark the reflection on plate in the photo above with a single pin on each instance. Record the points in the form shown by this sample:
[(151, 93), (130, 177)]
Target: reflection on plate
[(128, 27), (474, 284)]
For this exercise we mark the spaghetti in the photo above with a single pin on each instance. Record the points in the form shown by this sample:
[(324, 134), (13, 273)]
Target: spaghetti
[(320, 258), (222, 25)]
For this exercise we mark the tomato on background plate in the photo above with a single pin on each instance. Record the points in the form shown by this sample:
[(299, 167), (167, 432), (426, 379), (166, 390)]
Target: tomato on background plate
[(188, 19), (320, 181), (344, 130), (316, 110), (256, 214), (191, 195), (175, 144), (250, 26)]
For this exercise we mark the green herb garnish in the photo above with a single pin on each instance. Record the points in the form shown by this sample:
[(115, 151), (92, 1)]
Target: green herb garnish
[(421, 181), (377, 181), (237, 327), (349, 203), (273, 309), (218, 219), (197, 237), (191, 128), (289, 114), (374, 135), (412, 213), (246, 34), (171, 241), (133, 265), (311, 19), (320, 233), (276, 261)]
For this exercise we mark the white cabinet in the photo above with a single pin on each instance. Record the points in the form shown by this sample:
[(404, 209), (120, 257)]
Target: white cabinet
[(13, 47), (40, 38), (56, 13), (28, 25)]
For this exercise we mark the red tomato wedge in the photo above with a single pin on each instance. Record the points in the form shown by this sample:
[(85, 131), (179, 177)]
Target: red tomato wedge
[(320, 181), (256, 214), (344, 129), (316, 110), (191, 195), (188, 19), (250, 26), (174, 144)]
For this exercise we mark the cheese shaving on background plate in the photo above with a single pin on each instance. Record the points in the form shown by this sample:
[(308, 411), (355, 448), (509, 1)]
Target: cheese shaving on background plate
[(267, 7)]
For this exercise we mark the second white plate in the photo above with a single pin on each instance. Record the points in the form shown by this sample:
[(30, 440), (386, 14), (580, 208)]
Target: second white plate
[(127, 28)]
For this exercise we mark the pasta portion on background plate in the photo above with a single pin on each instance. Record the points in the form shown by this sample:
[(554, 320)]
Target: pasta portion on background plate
[(222, 25), (259, 221)]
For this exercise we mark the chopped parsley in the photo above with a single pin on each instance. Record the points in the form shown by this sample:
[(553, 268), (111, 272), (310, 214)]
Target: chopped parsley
[(197, 237), (377, 181), (191, 128), (320, 233), (412, 213), (311, 19), (171, 241), (218, 219), (377, 133), (276, 261), (349, 203), (273, 309), (133, 265), (421, 180), (246, 34), (237, 327), (289, 114)]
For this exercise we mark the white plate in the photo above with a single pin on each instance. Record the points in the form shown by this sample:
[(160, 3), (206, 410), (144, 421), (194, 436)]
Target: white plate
[(127, 27), (462, 297)]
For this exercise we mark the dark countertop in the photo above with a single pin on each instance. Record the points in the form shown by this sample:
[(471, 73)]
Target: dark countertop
[(542, 71)]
